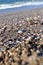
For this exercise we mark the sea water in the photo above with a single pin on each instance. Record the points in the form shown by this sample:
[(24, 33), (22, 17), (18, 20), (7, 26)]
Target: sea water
[(19, 4)]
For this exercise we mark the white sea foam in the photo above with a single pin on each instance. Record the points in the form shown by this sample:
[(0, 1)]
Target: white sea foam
[(19, 4)]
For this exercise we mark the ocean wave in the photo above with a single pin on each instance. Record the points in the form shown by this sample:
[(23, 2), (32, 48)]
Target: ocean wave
[(19, 4)]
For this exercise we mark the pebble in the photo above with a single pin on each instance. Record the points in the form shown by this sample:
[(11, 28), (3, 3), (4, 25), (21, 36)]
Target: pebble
[(35, 22), (20, 31), (27, 40), (35, 18), (2, 30), (42, 22), (5, 43), (40, 54), (31, 21), (1, 43), (18, 41), (42, 35), (27, 19), (3, 38), (38, 51), (0, 54), (2, 49)]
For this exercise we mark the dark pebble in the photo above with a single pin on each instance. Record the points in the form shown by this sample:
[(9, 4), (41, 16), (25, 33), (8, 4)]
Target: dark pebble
[(40, 54), (1, 59)]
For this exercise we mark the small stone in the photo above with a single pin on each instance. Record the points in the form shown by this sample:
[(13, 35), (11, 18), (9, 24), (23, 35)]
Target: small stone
[(18, 41), (20, 31), (31, 21), (35, 22), (0, 31), (3, 29), (3, 38), (0, 54), (27, 19), (38, 51), (28, 39), (35, 18), (10, 42), (42, 35), (5, 43), (40, 54), (2, 49), (42, 22), (1, 43), (11, 53), (23, 37), (20, 24)]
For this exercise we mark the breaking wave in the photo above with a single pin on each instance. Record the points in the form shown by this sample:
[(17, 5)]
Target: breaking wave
[(19, 4)]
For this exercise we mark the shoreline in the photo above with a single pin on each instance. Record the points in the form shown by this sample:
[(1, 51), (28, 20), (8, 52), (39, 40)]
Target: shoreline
[(22, 14), (20, 9)]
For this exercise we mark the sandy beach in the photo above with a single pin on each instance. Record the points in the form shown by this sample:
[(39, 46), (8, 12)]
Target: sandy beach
[(21, 38)]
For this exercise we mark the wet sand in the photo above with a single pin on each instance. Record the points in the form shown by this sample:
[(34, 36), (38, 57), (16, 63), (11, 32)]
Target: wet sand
[(21, 38)]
